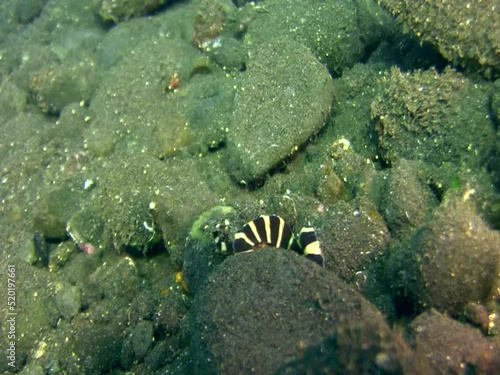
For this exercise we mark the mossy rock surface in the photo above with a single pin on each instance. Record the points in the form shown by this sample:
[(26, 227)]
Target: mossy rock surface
[(435, 117), (467, 33)]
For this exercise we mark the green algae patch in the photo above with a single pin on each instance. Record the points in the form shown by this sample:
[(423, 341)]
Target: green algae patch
[(283, 99), (209, 242), (198, 230)]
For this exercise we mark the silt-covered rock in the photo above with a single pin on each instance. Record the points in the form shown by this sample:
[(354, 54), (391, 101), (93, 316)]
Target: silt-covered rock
[(352, 234), (55, 208), (160, 199), (408, 201), (261, 310), (122, 10), (284, 98), (134, 110), (339, 33), (56, 86), (449, 262), (453, 347)]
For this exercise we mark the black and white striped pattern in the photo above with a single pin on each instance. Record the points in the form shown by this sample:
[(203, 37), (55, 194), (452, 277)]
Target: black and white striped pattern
[(272, 230)]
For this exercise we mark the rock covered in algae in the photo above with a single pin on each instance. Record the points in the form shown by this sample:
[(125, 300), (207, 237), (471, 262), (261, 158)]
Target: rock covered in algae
[(210, 109), (171, 137), (465, 32), (138, 205), (330, 188), (12, 100), (431, 116), (284, 98)]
